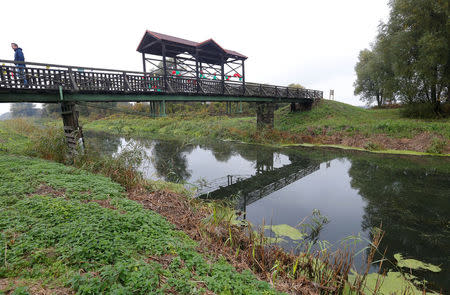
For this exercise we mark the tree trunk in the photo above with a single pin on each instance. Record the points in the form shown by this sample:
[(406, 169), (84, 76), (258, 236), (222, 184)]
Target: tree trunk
[(378, 100), (435, 101)]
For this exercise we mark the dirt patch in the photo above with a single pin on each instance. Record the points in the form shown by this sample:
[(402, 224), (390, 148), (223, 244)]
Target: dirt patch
[(34, 288), (173, 207), (419, 143), (45, 190)]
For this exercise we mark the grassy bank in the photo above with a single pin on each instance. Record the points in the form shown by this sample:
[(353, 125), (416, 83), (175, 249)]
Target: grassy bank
[(67, 230), (329, 123)]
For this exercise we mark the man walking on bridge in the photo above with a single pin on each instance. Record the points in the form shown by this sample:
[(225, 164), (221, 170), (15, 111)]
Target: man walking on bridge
[(19, 57)]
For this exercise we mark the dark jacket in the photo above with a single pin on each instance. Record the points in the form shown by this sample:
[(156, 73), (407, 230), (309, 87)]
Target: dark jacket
[(18, 55)]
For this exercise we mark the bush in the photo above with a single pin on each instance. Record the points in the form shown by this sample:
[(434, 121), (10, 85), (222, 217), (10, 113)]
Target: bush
[(419, 110), (437, 146)]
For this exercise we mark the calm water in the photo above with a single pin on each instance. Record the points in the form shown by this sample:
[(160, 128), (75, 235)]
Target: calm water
[(408, 196)]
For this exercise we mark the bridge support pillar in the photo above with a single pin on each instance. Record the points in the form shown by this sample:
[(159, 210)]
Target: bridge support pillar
[(303, 106), (264, 115), (152, 105), (162, 108), (228, 107), (72, 130)]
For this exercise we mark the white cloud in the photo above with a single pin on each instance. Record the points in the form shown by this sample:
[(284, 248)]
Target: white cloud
[(315, 43)]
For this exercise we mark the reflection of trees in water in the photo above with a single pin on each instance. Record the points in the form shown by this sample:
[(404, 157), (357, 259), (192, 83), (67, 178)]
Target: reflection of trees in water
[(261, 156), (169, 160), (102, 141), (222, 151), (264, 161), (412, 206)]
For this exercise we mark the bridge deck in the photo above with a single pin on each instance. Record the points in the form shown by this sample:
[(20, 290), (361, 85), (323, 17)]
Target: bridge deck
[(39, 82)]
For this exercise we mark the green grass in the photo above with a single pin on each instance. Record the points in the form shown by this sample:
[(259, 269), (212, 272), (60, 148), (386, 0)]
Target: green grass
[(332, 117), (205, 126), (59, 238), (12, 142)]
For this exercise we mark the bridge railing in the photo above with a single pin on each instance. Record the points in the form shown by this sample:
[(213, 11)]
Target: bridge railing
[(49, 77)]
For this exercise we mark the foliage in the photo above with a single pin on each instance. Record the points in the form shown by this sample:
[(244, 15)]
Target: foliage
[(74, 228), (437, 146), (421, 110), (296, 85), (23, 109), (329, 119), (373, 77), (410, 56)]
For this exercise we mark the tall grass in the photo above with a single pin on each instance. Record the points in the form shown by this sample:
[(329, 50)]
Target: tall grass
[(317, 269), (49, 143)]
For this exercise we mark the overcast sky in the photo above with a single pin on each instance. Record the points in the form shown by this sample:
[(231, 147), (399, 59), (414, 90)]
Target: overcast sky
[(314, 43)]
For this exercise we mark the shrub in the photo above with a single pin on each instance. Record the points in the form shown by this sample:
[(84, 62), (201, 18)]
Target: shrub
[(437, 146), (419, 110), (372, 146)]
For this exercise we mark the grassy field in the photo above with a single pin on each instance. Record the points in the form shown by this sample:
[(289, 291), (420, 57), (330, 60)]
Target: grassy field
[(329, 123)]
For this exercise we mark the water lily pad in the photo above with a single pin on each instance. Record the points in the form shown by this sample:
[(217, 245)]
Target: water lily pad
[(415, 264), (285, 230), (392, 283)]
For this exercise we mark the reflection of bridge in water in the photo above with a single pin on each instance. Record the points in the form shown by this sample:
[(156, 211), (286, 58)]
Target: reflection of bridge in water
[(264, 183)]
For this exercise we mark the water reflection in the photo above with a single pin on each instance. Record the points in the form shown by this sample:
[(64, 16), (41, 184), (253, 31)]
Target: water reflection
[(412, 203), (408, 196)]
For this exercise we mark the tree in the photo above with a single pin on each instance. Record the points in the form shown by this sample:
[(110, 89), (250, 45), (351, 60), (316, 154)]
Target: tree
[(410, 59), (51, 109), (23, 109), (373, 76), (418, 34), (296, 85)]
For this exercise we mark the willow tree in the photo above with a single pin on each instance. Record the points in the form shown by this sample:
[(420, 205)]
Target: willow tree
[(418, 34), (374, 77), (410, 59)]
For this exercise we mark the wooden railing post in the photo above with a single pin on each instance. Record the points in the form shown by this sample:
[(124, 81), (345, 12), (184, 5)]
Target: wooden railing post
[(72, 80), (126, 84)]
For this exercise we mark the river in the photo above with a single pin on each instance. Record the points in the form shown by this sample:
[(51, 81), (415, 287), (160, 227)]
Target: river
[(347, 192)]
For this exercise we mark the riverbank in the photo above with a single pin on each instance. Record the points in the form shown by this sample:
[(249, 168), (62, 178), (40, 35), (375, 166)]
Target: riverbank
[(65, 230), (330, 123), (206, 226), (90, 235)]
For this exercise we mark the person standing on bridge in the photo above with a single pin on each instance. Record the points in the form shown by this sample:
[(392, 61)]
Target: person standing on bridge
[(19, 57)]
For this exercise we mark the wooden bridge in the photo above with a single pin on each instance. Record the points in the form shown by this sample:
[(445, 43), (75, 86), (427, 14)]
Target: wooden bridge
[(49, 83), (174, 69)]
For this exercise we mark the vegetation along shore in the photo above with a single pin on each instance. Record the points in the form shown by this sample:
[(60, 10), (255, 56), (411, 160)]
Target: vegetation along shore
[(142, 235), (328, 123)]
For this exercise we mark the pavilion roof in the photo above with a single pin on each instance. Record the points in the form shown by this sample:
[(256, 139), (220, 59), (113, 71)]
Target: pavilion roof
[(209, 51)]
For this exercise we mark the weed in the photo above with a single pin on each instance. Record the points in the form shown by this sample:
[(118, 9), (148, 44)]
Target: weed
[(72, 240), (371, 146), (437, 146)]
